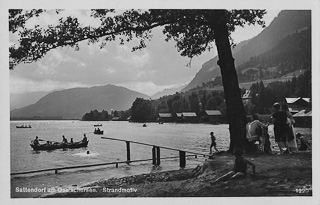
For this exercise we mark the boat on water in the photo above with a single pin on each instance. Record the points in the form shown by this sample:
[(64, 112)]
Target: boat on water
[(98, 125), (59, 145), (98, 132), (23, 126)]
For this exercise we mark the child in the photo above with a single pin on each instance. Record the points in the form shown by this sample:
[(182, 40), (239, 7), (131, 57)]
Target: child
[(213, 143), (239, 169)]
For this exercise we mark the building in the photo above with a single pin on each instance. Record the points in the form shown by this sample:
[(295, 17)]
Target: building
[(165, 117), (179, 117), (213, 116), (297, 104), (190, 117), (246, 98), (303, 119)]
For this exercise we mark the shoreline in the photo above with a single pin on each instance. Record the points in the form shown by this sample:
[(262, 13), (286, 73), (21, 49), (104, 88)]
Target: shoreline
[(276, 175)]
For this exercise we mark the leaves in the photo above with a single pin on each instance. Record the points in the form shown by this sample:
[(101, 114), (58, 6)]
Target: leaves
[(192, 30)]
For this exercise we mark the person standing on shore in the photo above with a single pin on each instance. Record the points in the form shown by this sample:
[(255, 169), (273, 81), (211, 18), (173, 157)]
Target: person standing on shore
[(213, 143), (256, 132), (291, 137), (279, 120)]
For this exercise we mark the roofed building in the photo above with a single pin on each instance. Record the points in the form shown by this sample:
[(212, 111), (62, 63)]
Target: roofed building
[(303, 119), (246, 98), (165, 117), (213, 116), (297, 104), (190, 117)]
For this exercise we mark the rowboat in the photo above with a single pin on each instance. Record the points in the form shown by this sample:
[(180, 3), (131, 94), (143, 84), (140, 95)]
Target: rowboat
[(98, 132), (97, 125), (24, 126), (58, 145)]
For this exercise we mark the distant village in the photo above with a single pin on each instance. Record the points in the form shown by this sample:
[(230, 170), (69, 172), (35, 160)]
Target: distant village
[(299, 107)]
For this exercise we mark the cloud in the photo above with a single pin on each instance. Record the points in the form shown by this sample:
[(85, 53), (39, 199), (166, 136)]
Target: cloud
[(128, 57), (24, 85), (148, 88)]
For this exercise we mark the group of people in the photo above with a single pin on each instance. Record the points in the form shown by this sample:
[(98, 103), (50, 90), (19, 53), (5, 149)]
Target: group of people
[(284, 133), (64, 140)]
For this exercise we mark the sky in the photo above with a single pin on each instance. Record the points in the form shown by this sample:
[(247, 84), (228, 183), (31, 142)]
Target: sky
[(148, 71)]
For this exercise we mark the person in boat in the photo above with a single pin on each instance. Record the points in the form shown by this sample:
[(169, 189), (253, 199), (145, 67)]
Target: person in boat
[(71, 140), (98, 130), (213, 143), (84, 138), (36, 141), (239, 169), (48, 143), (64, 140)]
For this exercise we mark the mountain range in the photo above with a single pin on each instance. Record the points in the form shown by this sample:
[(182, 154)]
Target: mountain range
[(74, 103), (286, 23), (287, 35)]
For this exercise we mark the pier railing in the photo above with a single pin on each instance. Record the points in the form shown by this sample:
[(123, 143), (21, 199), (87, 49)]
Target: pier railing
[(155, 152)]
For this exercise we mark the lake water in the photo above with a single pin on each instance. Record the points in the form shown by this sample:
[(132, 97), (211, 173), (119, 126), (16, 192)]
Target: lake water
[(193, 137)]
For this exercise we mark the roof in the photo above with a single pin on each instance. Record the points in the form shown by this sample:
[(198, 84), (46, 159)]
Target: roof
[(247, 94), (213, 112), (309, 113), (292, 110), (164, 115), (300, 114), (189, 114), (293, 100)]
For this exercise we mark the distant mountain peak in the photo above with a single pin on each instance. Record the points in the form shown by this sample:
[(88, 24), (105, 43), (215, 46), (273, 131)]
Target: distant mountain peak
[(75, 102)]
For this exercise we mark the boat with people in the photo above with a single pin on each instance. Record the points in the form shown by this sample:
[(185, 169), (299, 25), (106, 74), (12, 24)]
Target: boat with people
[(97, 125), (23, 126), (98, 132), (58, 145)]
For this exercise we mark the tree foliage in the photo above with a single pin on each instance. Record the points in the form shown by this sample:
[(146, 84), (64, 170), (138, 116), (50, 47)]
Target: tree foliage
[(192, 30), (142, 110), (95, 115)]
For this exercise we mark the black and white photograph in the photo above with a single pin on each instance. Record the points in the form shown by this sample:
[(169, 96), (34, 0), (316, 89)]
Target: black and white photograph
[(160, 101)]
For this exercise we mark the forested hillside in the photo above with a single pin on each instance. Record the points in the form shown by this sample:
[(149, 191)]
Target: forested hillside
[(291, 54)]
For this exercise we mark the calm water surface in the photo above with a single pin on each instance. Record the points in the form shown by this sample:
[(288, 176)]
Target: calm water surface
[(193, 137)]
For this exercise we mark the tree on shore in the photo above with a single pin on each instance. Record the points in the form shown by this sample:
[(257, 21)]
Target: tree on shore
[(194, 32)]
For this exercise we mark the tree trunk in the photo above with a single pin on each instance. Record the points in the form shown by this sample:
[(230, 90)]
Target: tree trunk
[(235, 109)]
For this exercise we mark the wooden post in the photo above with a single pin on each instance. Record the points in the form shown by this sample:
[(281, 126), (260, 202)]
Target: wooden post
[(56, 171), (128, 151), (195, 156), (158, 155), (154, 158), (117, 165), (182, 156)]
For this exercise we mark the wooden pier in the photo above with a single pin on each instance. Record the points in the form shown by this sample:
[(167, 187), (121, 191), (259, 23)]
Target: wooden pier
[(155, 153)]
